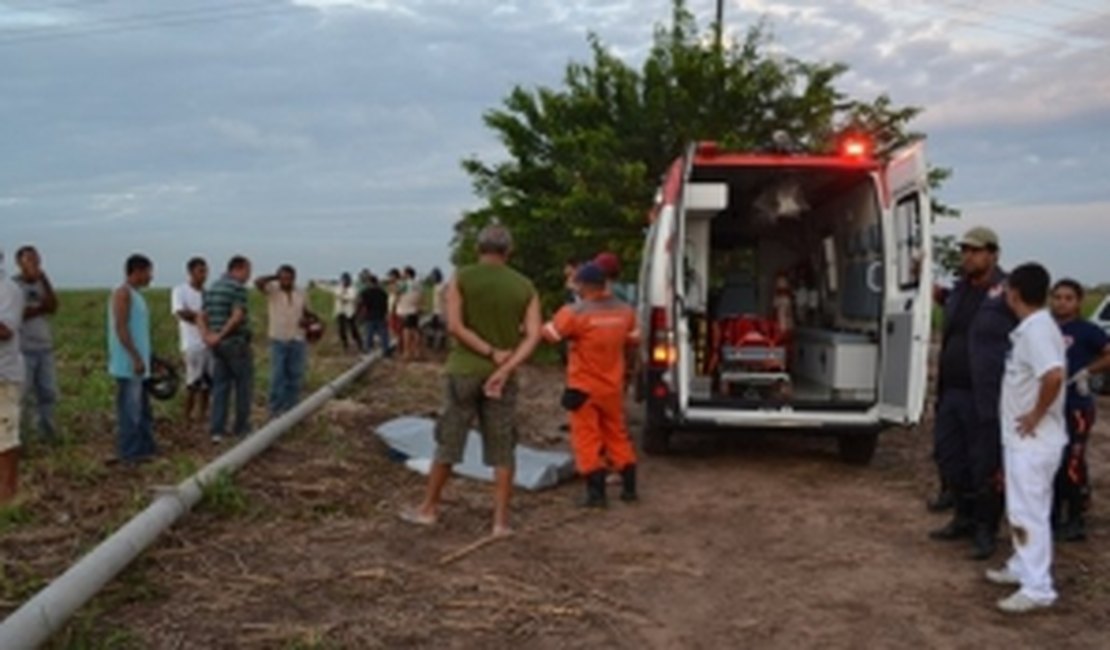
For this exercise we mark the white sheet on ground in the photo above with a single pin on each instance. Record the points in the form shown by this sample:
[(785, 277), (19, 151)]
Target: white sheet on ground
[(415, 438)]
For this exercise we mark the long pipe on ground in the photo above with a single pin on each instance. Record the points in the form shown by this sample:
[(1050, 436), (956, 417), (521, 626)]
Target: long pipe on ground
[(32, 624)]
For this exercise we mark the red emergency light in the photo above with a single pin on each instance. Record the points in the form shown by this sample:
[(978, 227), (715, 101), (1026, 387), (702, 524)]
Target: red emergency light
[(855, 146)]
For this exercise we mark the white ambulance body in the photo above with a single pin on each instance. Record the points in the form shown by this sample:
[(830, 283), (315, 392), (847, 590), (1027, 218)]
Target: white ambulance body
[(841, 243)]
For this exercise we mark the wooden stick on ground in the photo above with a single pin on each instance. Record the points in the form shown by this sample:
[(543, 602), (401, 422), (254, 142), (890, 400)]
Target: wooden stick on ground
[(482, 542)]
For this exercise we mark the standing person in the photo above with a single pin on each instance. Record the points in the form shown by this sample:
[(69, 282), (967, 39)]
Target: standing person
[(438, 324), (11, 380), (493, 313), (610, 264), (409, 306), (186, 304), (966, 438), (600, 329), (1033, 435), (129, 361), (374, 308), (286, 306), (346, 306), (39, 303), (1088, 353), (225, 326), (393, 289)]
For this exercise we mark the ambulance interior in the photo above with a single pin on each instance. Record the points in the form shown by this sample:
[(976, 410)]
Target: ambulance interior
[(784, 273)]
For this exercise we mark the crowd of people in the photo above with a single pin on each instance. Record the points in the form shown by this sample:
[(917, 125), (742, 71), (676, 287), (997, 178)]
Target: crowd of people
[(214, 335), (1013, 416)]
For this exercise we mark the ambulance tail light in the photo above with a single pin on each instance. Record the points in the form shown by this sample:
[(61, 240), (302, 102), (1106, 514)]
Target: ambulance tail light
[(663, 352)]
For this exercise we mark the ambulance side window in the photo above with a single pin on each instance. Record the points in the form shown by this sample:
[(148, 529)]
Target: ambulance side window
[(908, 240)]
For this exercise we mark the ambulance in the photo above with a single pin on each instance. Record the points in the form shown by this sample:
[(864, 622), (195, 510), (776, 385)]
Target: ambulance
[(789, 292)]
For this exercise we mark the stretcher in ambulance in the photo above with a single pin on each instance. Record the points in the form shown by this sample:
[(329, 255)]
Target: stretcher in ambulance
[(787, 291)]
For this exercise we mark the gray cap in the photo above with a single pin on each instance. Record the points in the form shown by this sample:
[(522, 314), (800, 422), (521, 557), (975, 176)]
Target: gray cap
[(980, 237)]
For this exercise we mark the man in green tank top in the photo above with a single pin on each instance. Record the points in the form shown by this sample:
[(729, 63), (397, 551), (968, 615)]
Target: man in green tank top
[(493, 317)]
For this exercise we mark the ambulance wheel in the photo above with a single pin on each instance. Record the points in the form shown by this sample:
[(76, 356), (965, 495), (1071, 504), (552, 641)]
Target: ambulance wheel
[(857, 448), (656, 439)]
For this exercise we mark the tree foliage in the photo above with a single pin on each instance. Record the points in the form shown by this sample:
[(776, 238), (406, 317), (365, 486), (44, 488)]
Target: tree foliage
[(584, 159)]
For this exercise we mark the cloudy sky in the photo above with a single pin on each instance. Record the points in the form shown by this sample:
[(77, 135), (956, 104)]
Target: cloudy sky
[(327, 133)]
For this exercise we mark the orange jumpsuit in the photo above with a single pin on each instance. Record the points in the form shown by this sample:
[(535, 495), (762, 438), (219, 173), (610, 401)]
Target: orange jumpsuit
[(598, 332)]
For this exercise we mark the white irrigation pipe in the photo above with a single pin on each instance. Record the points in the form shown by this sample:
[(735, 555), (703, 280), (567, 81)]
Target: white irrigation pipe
[(34, 622)]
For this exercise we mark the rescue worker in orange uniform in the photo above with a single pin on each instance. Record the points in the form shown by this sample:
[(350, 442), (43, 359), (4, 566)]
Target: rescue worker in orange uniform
[(598, 329)]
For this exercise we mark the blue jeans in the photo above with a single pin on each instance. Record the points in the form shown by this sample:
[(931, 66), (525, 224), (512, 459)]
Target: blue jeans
[(232, 368), (287, 363), (377, 329), (136, 426), (41, 385)]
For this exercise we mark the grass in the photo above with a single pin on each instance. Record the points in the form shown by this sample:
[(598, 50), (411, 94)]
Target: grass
[(14, 516), (223, 497)]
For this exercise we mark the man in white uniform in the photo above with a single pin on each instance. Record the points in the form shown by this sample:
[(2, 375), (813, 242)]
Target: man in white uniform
[(1033, 437), (186, 302)]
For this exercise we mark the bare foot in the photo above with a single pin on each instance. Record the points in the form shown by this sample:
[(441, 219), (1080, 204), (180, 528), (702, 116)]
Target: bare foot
[(418, 517), (501, 530)]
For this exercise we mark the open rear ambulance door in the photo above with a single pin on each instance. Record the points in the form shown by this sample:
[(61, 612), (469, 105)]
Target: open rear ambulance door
[(907, 308)]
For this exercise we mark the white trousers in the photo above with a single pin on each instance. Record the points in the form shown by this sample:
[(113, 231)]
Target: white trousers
[(1029, 477)]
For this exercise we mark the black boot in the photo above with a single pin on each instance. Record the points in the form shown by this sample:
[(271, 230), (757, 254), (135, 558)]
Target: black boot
[(944, 500), (628, 484), (988, 514), (1073, 528), (961, 526), (983, 543), (595, 490)]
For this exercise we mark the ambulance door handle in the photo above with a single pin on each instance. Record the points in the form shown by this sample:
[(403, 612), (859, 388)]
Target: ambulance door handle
[(890, 328)]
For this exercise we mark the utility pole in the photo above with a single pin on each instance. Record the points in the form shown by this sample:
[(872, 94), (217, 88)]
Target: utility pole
[(720, 25)]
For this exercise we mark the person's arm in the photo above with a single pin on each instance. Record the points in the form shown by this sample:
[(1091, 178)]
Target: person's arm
[(1051, 384), (180, 311), (121, 312), (49, 304), (560, 327), (1100, 364), (533, 322), (263, 283)]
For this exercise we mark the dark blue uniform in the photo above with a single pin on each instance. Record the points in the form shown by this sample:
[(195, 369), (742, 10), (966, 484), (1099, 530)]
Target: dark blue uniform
[(1085, 342), (967, 435)]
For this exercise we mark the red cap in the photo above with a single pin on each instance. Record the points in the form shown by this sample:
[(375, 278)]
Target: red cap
[(609, 263)]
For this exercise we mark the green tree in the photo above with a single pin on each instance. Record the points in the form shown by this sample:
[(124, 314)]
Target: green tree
[(584, 159)]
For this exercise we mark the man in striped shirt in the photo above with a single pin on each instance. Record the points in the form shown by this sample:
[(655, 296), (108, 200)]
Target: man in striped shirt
[(225, 325)]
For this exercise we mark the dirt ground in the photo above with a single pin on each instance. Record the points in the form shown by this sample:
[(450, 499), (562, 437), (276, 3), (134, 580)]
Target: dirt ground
[(753, 541)]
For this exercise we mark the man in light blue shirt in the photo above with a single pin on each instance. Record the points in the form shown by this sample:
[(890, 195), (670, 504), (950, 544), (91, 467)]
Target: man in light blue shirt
[(129, 361)]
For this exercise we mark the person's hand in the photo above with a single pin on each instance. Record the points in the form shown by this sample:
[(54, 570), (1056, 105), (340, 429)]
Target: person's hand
[(1027, 425), (500, 357), (1082, 381), (138, 366), (495, 385), (212, 339)]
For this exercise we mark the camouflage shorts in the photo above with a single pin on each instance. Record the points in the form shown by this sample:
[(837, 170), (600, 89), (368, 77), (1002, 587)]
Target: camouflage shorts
[(465, 402)]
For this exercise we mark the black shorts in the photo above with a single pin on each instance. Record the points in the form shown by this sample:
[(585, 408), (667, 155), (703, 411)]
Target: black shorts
[(412, 321)]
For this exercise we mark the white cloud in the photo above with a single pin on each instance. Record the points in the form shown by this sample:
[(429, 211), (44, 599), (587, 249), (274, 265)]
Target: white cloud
[(250, 136)]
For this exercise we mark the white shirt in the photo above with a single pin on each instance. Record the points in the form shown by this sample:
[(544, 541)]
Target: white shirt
[(184, 296), (11, 315), (1037, 347), (412, 294), (345, 300)]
